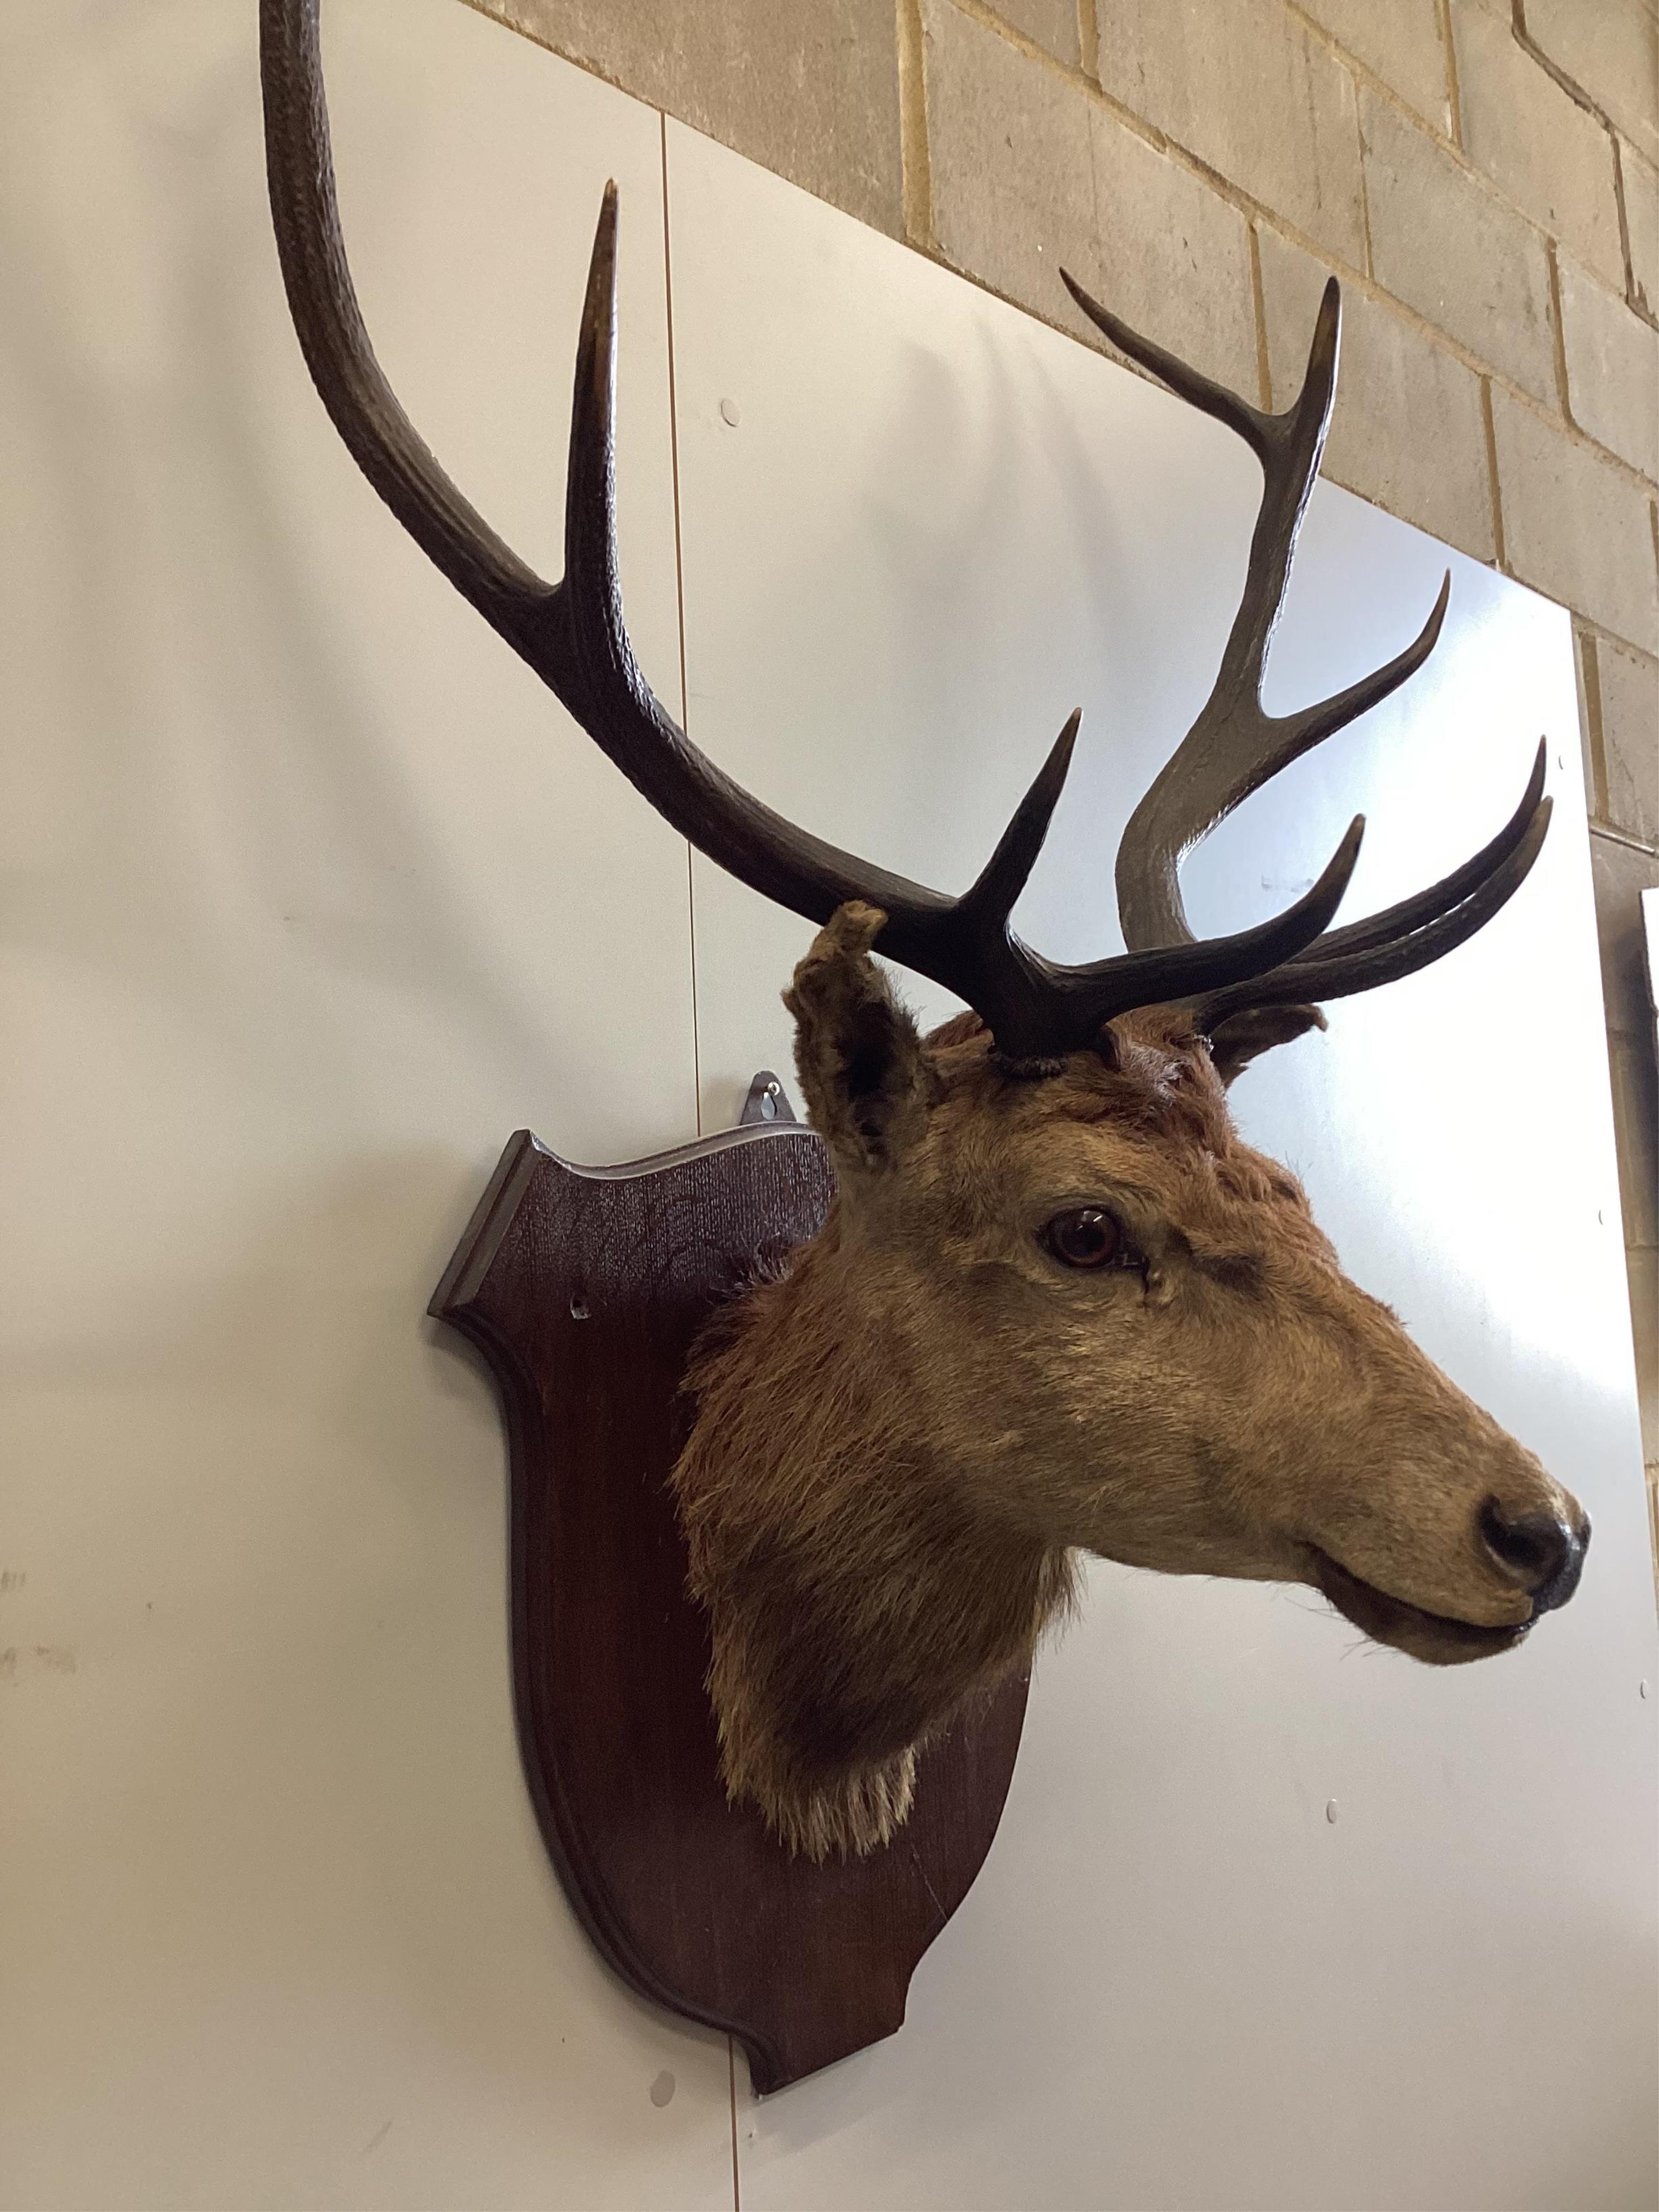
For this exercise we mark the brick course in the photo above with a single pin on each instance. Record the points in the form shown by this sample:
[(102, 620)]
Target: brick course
[(1574, 525), (1539, 146), (1400, 41), (1022, 158), (1609, 50), (1052, 23), (1612, 369), (1455, 252), (1242, 85)]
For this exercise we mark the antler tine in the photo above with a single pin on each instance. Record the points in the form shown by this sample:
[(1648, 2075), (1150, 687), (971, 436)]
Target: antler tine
[(1234, 747), (1166, 974), (1252, 423), (630, 723), (1410, 914), (994, 893), (1314, 977)]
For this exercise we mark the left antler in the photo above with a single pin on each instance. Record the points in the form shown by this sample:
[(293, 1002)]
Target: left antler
[(1235, 745)]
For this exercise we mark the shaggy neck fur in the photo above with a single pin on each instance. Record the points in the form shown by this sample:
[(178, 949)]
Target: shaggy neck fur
[(859, 1596)]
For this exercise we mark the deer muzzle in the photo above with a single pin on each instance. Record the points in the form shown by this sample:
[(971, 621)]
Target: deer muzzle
[(1544, 1550)]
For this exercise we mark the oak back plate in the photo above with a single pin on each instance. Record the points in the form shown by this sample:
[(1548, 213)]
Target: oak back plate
[(582, 1288)]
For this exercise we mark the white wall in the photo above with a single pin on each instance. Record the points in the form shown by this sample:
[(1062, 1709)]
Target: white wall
[(311, 895)]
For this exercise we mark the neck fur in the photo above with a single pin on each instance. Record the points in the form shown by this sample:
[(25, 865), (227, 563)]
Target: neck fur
[(858, 1600)]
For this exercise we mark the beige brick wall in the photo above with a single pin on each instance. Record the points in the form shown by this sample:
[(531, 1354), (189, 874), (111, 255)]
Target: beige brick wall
[(1484, 176)]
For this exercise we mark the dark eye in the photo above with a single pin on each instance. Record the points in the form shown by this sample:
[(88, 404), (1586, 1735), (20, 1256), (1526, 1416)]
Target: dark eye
[(1086, 1236)]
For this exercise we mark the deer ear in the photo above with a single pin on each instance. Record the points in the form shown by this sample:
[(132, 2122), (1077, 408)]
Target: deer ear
[(865, 1077), (1244, 1037)]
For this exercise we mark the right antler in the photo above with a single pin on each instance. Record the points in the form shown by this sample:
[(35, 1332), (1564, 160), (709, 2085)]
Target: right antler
[(573, 635), (1235, 745)]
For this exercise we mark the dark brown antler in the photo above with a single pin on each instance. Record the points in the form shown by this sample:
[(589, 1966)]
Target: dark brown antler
[(1235, 746), (572, 633)]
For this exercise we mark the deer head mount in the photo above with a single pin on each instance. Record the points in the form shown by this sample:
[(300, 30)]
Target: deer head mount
[(1059, 1304)]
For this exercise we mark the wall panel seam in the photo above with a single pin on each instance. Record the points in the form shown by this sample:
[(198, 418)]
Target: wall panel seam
[(679, 605)]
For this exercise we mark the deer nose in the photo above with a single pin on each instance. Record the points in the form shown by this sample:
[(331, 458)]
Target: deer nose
[(1541, 1547)]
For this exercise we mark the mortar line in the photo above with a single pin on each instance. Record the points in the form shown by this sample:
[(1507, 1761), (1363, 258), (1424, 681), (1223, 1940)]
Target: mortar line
[(1574, 90), (1559, 332), (1454, 86), (1259, 302), (915, 164), (1361, 70), (1500, 551), (1590, 677), (1603, 635), (1088, 40), (1363, 170), (1634, 845), (1624, 223)]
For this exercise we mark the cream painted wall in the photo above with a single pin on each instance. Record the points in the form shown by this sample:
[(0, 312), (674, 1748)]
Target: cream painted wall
[(311, 895)]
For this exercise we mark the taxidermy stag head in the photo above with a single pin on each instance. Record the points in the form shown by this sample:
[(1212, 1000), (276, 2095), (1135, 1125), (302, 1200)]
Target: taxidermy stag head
[(1058, 1305)]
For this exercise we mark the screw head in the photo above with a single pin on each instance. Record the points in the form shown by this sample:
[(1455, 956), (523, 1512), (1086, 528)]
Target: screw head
[(729, 413)]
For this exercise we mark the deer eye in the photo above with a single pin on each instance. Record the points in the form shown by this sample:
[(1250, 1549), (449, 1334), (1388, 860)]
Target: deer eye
[(1084, 1237)]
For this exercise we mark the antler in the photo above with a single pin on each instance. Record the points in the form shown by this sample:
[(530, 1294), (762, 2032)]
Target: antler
[(572, 633), (1235, 746)]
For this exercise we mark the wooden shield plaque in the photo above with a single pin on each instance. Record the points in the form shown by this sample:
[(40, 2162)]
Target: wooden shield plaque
[(583, 1288)]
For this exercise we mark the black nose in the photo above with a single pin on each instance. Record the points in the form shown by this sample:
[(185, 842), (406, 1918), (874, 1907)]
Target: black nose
[(1540, 1547)]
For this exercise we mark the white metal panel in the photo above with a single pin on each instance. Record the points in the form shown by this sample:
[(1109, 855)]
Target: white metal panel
[(918, 528), (311, 895)]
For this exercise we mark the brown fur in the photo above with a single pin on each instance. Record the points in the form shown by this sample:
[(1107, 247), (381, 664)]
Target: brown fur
[(900, 1445)]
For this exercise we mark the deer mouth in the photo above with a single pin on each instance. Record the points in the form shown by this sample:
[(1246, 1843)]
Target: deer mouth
[(1436, 1637)]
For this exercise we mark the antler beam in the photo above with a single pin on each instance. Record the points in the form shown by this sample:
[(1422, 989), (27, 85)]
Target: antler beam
[(573, 635)]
